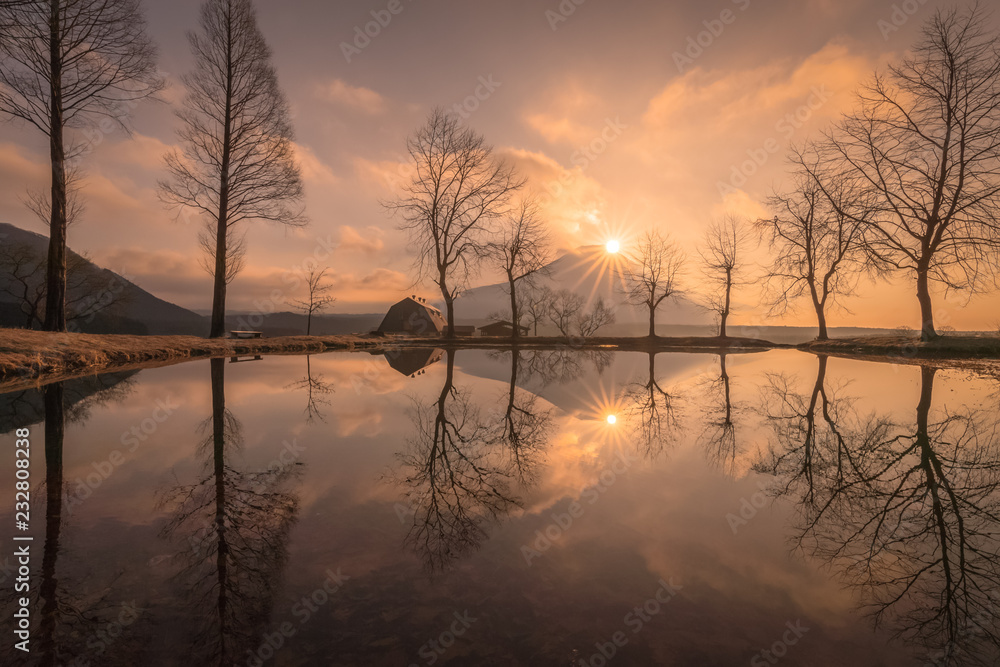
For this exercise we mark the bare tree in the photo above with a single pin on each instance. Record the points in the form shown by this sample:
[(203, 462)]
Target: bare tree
[(319, 298), (817, 241), (654, 275), (719, 437), (64, 63), (535, 305), (724, 262), (564, 307), (904, 512), (90, 290), (234, 524), (925, 142), (237, 162), (20, 271), (653, 411), (317, 389), (457, 480), (522, 251), (459, 189), (590, 322)]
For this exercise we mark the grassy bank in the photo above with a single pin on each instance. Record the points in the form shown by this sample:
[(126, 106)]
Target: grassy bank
[(909, 347), (26, 356), (30, 357)]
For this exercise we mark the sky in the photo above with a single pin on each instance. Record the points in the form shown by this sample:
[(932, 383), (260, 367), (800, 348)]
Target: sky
[(623, 116)]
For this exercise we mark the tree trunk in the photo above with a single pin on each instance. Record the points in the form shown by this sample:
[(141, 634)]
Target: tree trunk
[(55, 271), (309, 322), (927, 331), (449, 307), (55, 423), (515, 319), (725, 308), (652, 322), (821, 318), (222, 228), (515, 358), (219, 470), (819, 305), (449, 303), (724, 376), (219, 293)]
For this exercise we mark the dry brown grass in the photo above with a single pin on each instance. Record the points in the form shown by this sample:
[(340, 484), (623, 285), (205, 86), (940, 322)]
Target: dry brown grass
[(28, 355), (910, 346)]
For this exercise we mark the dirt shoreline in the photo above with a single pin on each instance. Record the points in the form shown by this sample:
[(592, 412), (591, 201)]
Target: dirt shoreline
[(31, 358)]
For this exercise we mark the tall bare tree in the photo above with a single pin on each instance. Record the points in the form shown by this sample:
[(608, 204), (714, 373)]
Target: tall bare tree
[(654, 274), (459, 189), (238, 161), (522, 251), (64, 64), (724, 262), (817, 241), (925, 141), (318, 298)]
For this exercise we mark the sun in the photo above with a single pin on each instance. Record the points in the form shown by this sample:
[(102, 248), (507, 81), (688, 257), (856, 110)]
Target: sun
[(612, 419), (613, 246)]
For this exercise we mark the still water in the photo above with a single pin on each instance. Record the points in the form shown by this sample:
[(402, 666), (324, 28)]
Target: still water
[(484, 508)]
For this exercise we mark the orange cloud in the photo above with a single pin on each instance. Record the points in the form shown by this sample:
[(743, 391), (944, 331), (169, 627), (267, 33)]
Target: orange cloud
[(570, 200), (351, 239), (357, 97)]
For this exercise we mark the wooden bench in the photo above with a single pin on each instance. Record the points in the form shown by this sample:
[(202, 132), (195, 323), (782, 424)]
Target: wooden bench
[(244, 334)]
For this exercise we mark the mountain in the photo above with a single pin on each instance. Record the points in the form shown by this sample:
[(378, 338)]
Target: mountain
[(294, 324), (591, 272), (133, 309)]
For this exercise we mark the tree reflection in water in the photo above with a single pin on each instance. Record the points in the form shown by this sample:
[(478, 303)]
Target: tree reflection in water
[(73, 607), (908, 513), (653, 412), (234, 525), (718, 437), (525, 427), (564, 365), (317, 389), (460, 467)]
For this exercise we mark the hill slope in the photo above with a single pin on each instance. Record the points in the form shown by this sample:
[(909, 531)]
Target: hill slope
[(590, 272), (135, 311)]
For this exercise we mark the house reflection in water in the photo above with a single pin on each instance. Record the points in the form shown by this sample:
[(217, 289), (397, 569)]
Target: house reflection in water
[(412, 361)]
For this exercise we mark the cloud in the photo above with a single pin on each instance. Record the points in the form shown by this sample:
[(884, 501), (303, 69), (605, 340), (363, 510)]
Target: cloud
[(560, 122), (179, 278), (388, 175), (385, 279), (721, 101), (314, 170), (357, 97), (556, 129), (138, 150), (570, 200), (351, 239)]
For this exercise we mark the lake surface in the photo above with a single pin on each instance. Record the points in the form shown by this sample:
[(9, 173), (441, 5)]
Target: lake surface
[(478, 508)]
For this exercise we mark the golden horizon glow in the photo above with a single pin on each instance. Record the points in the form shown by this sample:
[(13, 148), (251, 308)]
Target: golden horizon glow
[(613, 246)]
